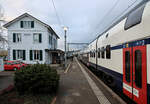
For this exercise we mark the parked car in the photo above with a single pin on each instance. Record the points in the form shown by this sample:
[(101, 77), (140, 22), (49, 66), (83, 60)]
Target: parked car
[(21, 63), (13, 65)]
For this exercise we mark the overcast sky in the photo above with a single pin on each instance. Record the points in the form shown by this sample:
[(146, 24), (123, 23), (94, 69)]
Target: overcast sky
[(85, 18)]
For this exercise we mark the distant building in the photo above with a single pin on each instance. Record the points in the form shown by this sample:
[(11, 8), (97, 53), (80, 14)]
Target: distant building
[(31, 40), (3, 35)]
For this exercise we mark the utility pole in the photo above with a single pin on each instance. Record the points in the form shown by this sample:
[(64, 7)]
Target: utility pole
[(65, 49), (65, 30), (68, 47)]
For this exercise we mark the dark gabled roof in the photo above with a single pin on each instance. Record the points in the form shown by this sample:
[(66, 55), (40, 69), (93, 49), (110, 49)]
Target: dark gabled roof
[(28, 15)]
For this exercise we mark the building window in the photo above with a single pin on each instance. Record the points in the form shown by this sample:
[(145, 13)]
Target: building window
[(55, 43), (27, 24), (108, 52), (36, 55), (16, 37), (19, 54), (103, 52), (37, 38), (50, 39)]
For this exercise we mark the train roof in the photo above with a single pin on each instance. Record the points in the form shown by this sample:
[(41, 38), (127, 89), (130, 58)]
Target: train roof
[(122, 18)]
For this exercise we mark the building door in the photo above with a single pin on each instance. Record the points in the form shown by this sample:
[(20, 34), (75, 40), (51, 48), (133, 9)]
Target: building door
[(135, 74), (54, 58)]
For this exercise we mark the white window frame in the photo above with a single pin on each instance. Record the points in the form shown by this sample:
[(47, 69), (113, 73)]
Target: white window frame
[(18, 37), (36, 38), (36, 54), (26, 24), (19, 54)]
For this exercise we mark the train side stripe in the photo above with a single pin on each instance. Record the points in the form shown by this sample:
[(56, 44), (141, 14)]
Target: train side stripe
[(132, 44)]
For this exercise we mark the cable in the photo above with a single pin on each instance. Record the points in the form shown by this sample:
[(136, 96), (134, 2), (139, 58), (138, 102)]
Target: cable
[(106, 15), (112, 22), (122, 12), (56, 13)]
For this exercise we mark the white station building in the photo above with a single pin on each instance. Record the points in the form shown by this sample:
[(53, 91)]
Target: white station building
[(31, 40)]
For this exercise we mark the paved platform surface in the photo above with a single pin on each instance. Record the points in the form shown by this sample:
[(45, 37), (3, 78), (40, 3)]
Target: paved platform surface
[(74, 88), (6, 78), (78, 86)]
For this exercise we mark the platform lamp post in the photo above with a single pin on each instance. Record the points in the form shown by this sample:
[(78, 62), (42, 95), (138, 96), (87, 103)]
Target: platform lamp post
[(65, 30)]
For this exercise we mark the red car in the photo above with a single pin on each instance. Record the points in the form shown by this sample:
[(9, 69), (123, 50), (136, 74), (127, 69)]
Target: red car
[(13, 65), (21, 63)]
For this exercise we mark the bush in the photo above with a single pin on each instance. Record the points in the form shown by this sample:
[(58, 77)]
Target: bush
[(36, 79)]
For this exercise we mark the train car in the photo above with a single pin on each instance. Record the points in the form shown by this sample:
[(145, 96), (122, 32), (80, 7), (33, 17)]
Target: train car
[(84, 56), (122, 54)]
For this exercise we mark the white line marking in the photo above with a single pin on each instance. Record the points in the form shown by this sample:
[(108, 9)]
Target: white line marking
[(100, 96), (67, 69), (107, 88)]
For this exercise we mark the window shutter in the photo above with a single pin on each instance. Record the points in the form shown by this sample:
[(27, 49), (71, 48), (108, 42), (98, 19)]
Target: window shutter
[(21, 24), (24, 55), (32, 24), (40, 38), (14, 54), (14, 37), (41, 55), (31, 55)]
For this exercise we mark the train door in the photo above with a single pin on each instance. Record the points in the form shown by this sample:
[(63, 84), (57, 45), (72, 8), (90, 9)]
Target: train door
[(127, 70), (134, 74), (139, 75)]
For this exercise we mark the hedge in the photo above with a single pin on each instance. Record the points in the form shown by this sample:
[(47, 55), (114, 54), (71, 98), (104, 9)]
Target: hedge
[(36, 79)]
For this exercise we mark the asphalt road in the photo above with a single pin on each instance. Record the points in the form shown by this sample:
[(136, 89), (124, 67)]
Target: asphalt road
[(6, 78)]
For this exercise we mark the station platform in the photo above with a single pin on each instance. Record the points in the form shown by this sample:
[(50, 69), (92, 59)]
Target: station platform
[(79, 86)]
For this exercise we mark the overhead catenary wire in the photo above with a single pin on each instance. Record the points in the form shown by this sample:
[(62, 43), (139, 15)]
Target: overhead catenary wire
[(58, 19), (114, 23), (111, 9), (122, 13)]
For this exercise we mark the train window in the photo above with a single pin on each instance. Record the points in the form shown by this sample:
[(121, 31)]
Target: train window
[(98, 52), (103, 52), (107, 35), (108, 52), (134, 18), (127, 66), (90, 53), (138, 68), (94, 54)]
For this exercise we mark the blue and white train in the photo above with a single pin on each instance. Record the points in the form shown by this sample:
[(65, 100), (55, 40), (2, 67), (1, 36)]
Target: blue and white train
[(122, 55)]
